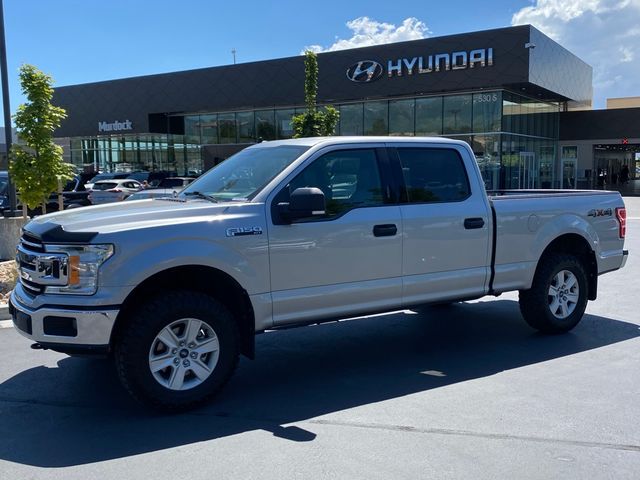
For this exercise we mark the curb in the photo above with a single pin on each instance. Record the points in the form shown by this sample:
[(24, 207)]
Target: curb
[(4, 312)]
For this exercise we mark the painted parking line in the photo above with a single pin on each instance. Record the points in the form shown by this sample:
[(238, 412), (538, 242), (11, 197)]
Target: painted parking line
[(6, 324)]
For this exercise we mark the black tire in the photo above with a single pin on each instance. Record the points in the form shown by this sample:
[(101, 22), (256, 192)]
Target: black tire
[(537, 305), (132, 352)]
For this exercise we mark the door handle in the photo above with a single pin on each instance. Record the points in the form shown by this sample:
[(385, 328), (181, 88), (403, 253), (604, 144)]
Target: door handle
[(472, 223), (388, 230)]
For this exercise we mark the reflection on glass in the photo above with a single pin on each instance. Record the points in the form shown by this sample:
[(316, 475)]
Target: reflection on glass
[(209, 129), (351, 119), (429, 116), (227, 126), (245, 127), (375, 118), (191, 129), (487, 112), (457, 114), (486, 150), (265, 125), (401, 117), (283, 123)]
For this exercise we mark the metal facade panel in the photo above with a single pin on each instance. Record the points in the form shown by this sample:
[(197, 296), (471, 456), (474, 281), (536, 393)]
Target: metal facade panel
[(279, 83), (554, 68), (615, 124)]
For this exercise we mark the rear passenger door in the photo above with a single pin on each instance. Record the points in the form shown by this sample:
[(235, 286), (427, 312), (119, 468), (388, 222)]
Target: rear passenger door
[(446, 248)]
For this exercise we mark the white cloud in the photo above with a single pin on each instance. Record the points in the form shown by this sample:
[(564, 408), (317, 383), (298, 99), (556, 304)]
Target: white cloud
[(367, 31), (603, 33)]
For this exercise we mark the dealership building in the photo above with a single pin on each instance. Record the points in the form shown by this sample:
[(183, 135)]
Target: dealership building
[(519, 99)]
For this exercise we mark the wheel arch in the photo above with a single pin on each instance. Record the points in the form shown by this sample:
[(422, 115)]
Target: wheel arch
[(575, 244), (216, 283)]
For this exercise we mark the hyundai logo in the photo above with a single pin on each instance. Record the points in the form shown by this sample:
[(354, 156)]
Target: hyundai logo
[(364, 71)]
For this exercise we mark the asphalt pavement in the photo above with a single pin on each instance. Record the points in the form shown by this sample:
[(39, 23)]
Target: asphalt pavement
[(468, 391)]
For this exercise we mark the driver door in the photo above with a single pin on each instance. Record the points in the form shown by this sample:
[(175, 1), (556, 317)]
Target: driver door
[(348, 261)]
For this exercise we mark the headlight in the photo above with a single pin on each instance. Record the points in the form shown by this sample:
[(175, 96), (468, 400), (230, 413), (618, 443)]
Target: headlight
[(82, 267)]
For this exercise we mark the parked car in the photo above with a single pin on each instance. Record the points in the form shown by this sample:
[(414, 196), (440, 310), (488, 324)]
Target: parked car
[(153, 179), (177, 290), (168, 187), (109, 191), (4, 194), (106, 176)]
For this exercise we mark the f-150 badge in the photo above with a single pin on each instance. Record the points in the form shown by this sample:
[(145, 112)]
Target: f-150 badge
[(242, 231), (606, 212)]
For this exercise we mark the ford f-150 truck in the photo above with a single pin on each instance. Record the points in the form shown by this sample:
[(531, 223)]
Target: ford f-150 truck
[(298, 232)]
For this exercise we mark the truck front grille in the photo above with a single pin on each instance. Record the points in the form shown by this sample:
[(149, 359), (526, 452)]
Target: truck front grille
[(27, 262)]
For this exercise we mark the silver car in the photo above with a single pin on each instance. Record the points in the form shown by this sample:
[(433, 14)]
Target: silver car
[(116, 190)]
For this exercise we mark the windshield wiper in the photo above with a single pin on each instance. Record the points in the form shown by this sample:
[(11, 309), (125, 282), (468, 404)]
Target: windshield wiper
[(201, 195)]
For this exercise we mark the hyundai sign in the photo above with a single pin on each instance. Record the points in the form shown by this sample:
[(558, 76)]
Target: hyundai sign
[(366, 71)]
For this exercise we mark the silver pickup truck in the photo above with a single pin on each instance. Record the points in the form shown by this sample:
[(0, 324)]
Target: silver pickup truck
[(298, 232)]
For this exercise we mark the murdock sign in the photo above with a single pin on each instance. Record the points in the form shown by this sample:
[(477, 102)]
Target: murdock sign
[(366, 71), (115, 126)]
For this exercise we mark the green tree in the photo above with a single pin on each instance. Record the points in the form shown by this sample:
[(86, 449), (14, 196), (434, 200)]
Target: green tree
[(36, 163), (313, 122)]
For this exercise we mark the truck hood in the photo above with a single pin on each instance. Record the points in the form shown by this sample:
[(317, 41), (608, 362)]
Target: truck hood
[(84, 223)]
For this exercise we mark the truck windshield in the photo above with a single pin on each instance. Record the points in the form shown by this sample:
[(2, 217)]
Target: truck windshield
[(244, 174)]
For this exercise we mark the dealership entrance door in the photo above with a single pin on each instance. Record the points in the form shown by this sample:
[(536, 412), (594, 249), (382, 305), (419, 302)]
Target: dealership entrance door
[(528, 170), (617, 167)]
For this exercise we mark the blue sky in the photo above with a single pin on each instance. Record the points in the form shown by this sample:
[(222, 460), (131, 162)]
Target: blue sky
[(78, 41)]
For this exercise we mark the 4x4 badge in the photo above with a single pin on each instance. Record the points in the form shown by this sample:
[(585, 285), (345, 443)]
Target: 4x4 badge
[(242, 231)]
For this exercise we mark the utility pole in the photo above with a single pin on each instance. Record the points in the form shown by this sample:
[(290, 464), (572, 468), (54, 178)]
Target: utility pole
[(7, 113), (233, 52)]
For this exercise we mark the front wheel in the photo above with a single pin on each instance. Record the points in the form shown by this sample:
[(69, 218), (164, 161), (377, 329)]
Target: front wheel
[(177, 350), (557, 299)]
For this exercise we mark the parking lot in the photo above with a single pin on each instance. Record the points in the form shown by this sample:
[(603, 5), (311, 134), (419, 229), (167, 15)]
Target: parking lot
[(467, 391)]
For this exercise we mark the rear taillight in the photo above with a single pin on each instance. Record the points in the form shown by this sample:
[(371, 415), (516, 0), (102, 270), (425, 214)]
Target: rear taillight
[(621, 215)]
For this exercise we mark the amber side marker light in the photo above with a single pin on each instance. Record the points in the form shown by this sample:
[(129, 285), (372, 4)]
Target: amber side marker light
[(74, 270)]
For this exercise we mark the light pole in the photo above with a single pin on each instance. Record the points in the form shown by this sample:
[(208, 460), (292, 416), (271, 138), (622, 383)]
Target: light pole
[(7, 113), (233, 52)]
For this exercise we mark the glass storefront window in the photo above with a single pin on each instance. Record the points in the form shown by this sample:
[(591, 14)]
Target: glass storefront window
[(457, 114), (283, 123), (428, 116), (192, 128), (227, 126), (487, 151), (351, 119), (487, 112), (209, 129), (265, 125), (376, 116), (401, 117), (246, 133)]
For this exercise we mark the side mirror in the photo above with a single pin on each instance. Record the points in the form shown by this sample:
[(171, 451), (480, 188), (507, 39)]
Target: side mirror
[(304, 202)]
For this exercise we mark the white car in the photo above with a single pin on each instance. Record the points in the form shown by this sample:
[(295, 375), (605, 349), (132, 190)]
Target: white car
[(116, 190), (168, 187)]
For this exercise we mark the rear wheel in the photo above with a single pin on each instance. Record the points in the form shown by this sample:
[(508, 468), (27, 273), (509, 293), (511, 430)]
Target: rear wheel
[(177, 351), (557, 299)]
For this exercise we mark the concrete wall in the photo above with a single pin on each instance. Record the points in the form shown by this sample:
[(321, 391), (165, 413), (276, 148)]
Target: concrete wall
[(9, 236)]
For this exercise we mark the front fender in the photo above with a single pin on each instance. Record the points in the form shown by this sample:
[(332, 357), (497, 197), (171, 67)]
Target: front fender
[(243, 258)]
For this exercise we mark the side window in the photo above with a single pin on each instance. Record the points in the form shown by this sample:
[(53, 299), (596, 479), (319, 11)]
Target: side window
[(348, 178), (433, 175)]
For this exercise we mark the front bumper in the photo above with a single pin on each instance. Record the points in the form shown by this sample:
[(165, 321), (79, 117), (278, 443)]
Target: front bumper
[(60, 326)]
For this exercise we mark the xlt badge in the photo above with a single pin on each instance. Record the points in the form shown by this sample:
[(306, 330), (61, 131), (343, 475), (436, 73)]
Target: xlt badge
[(242, 231)]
